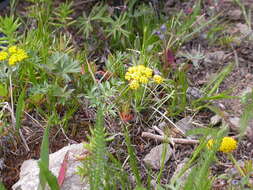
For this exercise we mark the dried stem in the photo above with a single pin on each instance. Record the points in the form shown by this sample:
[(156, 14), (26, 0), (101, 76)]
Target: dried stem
[(167, 139)]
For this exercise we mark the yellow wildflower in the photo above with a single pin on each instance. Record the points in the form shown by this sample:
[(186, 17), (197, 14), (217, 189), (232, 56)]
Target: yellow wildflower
[(17, 55), (21, 54), (13, 60), (210, 144), (12, 49), (228, 144), (140, 73), (143, 80), (158, 79), (134, 84), (148, 72), (3, 55)]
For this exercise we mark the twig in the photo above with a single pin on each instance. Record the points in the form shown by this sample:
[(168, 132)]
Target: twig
[(70, 140), (38, 123), (91, 72), (158, 130), (164, 139), (173, 124), (24, 141), (12, 104)]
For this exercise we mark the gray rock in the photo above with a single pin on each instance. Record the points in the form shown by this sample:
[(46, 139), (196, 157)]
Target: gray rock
[(235, 14), (215, 119), (29, 172), (243, 28), (154, 158), (182, 179), (194, 93), (235, 121), (185, 124)]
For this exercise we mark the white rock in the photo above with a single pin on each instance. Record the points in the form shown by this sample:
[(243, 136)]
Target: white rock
[(154, 157), (215, 119), (29, 172)]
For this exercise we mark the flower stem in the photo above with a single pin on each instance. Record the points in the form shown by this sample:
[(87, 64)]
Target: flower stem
[(12, 105), (231, 157)]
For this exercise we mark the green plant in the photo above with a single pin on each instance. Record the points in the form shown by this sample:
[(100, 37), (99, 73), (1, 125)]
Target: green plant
[(2, 186), (86, 23), (9, 26), (101, 168), (61, 17), (46, 177)]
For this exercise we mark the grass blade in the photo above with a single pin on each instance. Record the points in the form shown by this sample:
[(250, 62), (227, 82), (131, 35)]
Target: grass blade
[(45, 175)]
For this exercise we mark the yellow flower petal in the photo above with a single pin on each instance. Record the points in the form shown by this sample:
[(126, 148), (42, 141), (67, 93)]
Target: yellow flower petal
[(158, 79), (228, 144), (3, 55), (134, 85), (12, 49)]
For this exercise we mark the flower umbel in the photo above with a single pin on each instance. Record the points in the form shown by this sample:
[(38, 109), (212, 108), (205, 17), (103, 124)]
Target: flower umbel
[(138, 75), (16, 55), (134, 84), (12, 49), (158, 79), (3, 55), (228, 144)]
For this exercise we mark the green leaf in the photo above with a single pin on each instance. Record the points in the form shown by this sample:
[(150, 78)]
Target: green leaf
[(61, 65), (212, 87), (48, 176), (2, 186), (3, 90), (247, 115), (140, 188), (44, 157), (159, 187)]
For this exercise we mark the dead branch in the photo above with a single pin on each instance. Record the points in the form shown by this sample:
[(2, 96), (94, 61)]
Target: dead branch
[(168, 139)]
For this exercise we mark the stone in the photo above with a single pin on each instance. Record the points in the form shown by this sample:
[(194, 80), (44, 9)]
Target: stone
[(182, 179), (154, 158), (215, 120), (193, 93), (235, 14), (185, 125), (243, 28), (29, 172), (235, 121)]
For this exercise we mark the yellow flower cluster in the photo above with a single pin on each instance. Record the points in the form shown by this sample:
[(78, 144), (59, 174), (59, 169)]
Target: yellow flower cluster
[(140, 74), (158, 79), (13, 55), (228, 144), (3, 55)]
